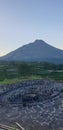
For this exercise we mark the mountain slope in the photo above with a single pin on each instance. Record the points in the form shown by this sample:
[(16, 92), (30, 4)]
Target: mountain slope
[(36, 51)]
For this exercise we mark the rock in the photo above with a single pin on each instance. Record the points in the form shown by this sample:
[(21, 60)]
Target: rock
[(33, 102)]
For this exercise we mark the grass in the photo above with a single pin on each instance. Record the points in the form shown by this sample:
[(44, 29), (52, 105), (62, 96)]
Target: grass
[(58, 76), (20, 79), (11, 72)]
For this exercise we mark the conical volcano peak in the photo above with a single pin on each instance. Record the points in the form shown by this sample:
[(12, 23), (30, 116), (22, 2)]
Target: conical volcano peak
[(37, 51), (38, 41)]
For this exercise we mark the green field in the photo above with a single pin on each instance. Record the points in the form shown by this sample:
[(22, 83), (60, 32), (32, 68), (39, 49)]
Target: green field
[(11, 72)]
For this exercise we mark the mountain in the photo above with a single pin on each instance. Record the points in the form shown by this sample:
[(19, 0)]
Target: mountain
[(36, 51)]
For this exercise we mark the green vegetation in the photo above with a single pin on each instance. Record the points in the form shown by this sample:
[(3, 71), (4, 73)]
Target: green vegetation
[(11, 72)]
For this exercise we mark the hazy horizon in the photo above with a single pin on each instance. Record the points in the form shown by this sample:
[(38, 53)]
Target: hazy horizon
[(24, 21)]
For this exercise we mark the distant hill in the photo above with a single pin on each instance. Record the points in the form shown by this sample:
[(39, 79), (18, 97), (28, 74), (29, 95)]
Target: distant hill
[(38, 51)]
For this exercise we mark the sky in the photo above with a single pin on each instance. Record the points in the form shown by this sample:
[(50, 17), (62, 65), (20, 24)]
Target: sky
[(24, 21)]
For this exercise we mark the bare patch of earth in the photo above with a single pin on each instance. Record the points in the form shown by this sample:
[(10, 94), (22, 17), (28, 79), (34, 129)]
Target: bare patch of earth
[(36, 104)]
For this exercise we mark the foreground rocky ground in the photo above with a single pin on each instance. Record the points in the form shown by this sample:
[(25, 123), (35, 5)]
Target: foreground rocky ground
[(36, 104)]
